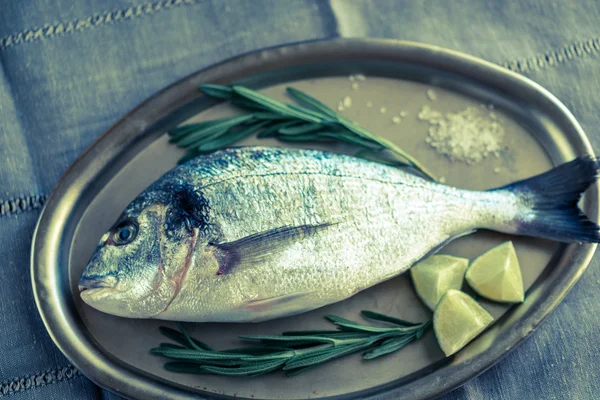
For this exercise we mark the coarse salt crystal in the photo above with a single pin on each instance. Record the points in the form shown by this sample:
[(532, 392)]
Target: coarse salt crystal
[(403, 114), (396, 120), (467, 136), (355, 86), (347, 102), (442, 179), (351, 78), (431, 94), (369, 104), (382, 110), (497, 170), (427, 114), (360, 77)]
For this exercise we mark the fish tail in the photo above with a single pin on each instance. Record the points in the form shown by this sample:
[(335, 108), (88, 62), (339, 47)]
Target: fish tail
[(549, 203)]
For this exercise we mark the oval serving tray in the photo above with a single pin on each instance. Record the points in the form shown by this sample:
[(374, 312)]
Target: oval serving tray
[(113, 351)]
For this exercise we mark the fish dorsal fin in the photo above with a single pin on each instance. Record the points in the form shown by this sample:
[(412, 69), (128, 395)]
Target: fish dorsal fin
[(260, 246)]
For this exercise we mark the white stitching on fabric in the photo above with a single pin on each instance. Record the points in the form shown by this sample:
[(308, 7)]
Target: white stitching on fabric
[(570, 52), (54, 375), (63, 28), (22, 204)]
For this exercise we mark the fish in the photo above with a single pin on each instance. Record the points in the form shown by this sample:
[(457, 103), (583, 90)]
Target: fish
[(249, 234)]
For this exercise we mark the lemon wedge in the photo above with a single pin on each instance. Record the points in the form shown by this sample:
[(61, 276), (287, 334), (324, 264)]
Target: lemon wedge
[(457, 320), (437, 274), (496, 275)]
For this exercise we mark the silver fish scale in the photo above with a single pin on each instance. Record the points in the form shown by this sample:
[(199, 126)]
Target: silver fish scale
[(383, 220), (244, 161)]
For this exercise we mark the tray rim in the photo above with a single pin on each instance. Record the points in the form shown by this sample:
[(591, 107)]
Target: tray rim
[(132, 130)]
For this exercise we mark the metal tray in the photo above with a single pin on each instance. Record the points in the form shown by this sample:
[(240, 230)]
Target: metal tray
[(113, 351)]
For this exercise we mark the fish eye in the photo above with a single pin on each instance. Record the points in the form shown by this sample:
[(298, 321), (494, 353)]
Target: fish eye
[(124, 233)]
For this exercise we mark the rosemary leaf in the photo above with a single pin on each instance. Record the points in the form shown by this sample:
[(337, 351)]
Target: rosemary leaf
[(174, 335), (201, 140), (311, 352), (352, 126), (340, 335), (226, 140), (389, 346), (301, 129), (309, 137), (194, 367), (386, 318), (272, 130), (213, 130), (256, 350), (180, 338), (252, 369), (247, 104), (345, 324), (283, 339), (196, 344), (335, 352), (217, 91), (274, 356), (184, 130), (306, 100), (269, 116), (181, 131), (193, 354), (274, 105), (319, 116), (221, 363), (379, 155), (356, 140), (307, 333), (344, 335), (421, 331)]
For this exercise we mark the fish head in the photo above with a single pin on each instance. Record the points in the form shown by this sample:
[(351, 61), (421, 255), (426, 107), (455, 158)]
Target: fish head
[(136, 269)]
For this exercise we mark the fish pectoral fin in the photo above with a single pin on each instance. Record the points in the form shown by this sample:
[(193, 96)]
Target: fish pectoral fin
[(260, 246), (278, 304)]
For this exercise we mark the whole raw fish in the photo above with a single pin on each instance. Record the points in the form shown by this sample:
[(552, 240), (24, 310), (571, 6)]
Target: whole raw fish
[(250, 234)]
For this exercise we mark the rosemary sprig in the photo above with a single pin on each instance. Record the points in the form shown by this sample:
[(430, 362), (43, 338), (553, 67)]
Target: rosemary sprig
[(309, 121), (292, 352)]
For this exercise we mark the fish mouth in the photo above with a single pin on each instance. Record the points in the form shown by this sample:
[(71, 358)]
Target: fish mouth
[(97, 282)]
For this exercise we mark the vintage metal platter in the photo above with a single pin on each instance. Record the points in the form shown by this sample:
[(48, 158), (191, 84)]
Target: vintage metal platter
[(113, 352)]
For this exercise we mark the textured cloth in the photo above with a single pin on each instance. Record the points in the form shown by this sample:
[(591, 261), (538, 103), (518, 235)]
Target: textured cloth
[(69, 69)]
